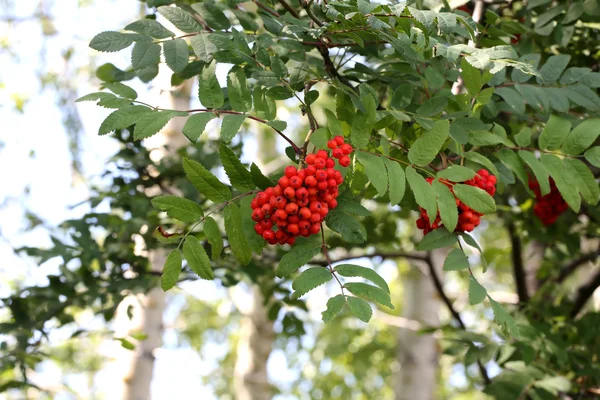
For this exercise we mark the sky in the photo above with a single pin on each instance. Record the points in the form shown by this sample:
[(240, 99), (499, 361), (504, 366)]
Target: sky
[(37, 175)]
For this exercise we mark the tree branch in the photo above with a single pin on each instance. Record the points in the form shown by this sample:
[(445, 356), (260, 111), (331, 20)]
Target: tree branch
[(267, 9), (584, 293), (571, 267), (331, 69), (289, 8), (437, 283), (383, 256), (517, 261), (306, 4)]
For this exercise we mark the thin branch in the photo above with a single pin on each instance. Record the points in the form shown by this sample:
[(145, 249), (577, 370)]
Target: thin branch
[(289, 8), (306, 4), (437, 283), (571, 267), (383, 256), (517, 261), (584, 293), (267, 9), (328, 265), (331, 69)]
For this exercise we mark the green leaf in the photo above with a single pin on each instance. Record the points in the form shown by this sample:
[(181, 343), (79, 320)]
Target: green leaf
[(179, 208), (360, 131), (447, 205), (259, 179), (122, 118), (350, 270), (553, 68), (554, 133), (203, 47), (239, 176), (471, 78), (456, 261), (176, 54), (346, 225), (423, 192), (541, 175), (476, 198), (523, 138), (512, 161), (298, 256), (145, 54), (456, 173), (583, 96), (309, 280), (563, 181), (482, 160), (206, 183), (359, 308), (593, 156), (235, 234), (197, 258), (582, 137), (230, 126), (240, 97), (584, 179), (256, 242), (436, 239), (165, 237), (333, 123), (151, 123), (370, 292), (211, 14), (375, 171), (111, 41), (518, 76), (320, 137), (334, 307), (150, 27), (246, 20), (121, 90), (483, 138), (213, 235), (181, 19), (503, 318), (209, 90), (171, 271), (265, 106), (477, 293), (433, 106), (555, 384), (425, 148), (512, 98), (95, 96), (397, 180), (195, 125)]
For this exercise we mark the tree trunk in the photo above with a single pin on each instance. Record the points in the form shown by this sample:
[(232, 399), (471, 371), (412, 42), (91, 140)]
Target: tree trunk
[(418, 353), (147, 309), (251, 381)]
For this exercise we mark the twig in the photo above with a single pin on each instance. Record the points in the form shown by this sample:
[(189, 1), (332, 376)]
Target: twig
[(410, 256), (267, 9), (332, 70), (326, 254), (306, 4), (289, 8), (437, 283), (571, 267), (517, 261), (584, 293)]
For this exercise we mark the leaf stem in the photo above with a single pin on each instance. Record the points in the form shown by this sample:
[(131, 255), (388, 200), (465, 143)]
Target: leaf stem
[(329, 266)]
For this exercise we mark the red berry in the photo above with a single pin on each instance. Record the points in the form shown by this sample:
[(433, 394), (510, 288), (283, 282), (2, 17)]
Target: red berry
[(293, 219), (337, 153), (284, 181), (347, 149), (293, 229), (258, 215), (290, 171), (277, 191), (339, 140), (329, 163), (262, 198), (266, 224), (291, 208), (289, 193), (320, 163), (313, 191), (259, 229), (310, 159), (315, 218), (321, 175), (322, 185), (332, 144), (296, 182), (310, 170), (254, 204), (332, 183), (322, 154), (281, 214), (303, 225), (291, 240), (304, 213), (268, 234), (315, 228), (267, 209), (310, 181), (280, 202), (302, 174), (345, 161), (332, 204), (302, 193), (315, 207)]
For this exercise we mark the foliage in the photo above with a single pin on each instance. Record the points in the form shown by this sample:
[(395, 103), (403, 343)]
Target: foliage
[(419, 94)]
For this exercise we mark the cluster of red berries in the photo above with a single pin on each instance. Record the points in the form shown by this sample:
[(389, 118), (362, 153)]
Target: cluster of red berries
[(468, 218), (549, 207), (298, 204)]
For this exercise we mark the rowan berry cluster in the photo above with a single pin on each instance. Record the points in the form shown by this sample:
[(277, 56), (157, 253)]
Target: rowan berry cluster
[(549, 207), (300, 201), (468, 218)]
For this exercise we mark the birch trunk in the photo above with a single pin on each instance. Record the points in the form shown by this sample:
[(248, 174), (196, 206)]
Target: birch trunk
[(136, 367), (418, 353)]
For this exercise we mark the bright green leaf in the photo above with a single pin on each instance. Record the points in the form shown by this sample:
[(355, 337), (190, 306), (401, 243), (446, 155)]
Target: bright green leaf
[(206, 183), (436, 239), (425, 148), (309, 280), (350, 270), (235, 234), (456, 260), (171, 270)]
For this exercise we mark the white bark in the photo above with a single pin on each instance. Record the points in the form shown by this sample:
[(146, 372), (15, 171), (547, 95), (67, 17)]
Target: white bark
[(147, 310), (418, 353), (251, 381)]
